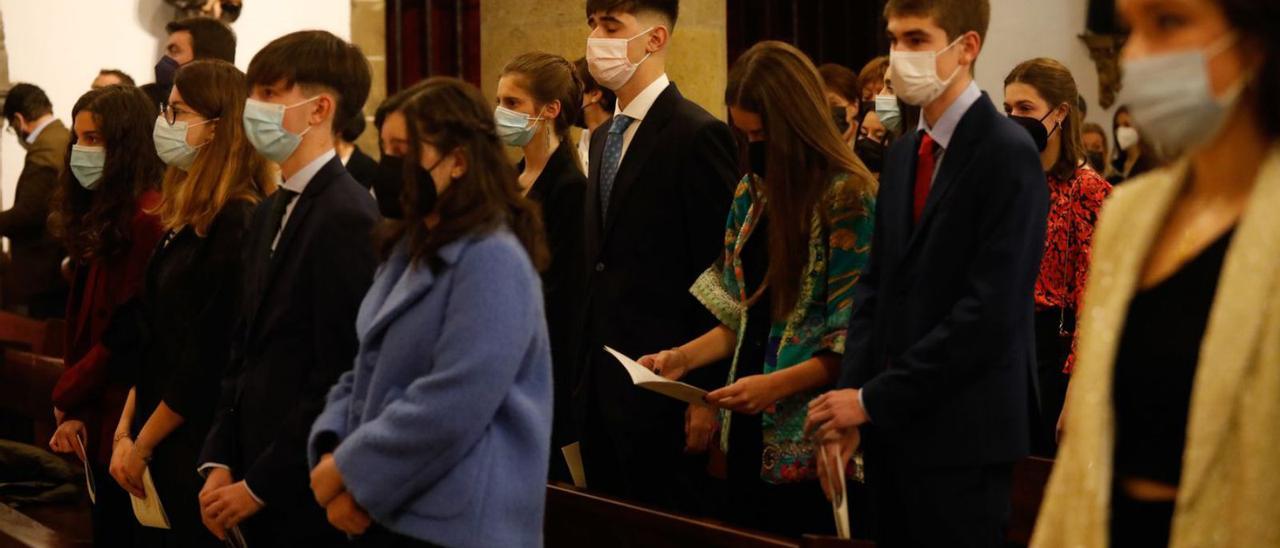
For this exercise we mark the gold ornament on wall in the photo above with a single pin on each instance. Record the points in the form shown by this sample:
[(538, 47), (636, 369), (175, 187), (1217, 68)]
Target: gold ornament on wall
[(1104, 49)]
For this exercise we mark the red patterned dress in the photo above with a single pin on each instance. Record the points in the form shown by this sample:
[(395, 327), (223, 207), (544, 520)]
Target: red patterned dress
[(1073, 210)]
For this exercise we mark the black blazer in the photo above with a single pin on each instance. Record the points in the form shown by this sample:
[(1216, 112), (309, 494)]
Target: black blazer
[(362, 168), (296, 336), (941, 339), (665, 227), (560, 189)]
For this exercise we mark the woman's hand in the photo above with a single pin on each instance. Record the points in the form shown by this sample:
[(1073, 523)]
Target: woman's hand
[(120, 462), (58, 416), (326, 480), (700, 425), (64, 438), (347, 515), (671, 364), (749, 395)]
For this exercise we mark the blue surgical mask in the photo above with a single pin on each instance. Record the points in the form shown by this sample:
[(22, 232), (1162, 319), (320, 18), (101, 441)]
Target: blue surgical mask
[(171, 142), (889, 112), (515, 128), (87, 164), (264, 127)]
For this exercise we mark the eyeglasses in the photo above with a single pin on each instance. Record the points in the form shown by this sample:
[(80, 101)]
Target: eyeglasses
[(171, 113)]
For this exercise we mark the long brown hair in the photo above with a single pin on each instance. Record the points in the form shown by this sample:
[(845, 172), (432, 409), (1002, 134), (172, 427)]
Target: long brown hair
[(1053, 82), (805, 150), (549, 78), (227, 168), (95, 224), (452, 115)]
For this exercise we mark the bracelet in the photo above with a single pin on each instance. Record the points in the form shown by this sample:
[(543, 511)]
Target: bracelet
[(119, 436)]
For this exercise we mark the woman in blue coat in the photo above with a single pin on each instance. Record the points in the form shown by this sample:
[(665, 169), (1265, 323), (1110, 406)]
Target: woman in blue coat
[(440, 433)]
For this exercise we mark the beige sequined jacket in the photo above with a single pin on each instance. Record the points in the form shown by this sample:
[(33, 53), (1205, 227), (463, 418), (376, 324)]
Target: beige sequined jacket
[(1229, 494)]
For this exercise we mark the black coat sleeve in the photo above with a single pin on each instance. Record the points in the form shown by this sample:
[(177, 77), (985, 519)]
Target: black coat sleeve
[(340, 272)]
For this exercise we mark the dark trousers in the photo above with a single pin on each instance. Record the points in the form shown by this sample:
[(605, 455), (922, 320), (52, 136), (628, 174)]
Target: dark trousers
[(1139, 524), (113, 521), (178, 486), (301, 522), (1052, 350), (955, 506)]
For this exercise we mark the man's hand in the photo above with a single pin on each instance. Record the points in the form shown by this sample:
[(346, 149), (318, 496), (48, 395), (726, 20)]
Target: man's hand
[(834, 412), (230, 505), (833, 455), (700, 425), (217, 479), (347, 515), (64, 438), (326, 480), (750, 395), (121, 457)]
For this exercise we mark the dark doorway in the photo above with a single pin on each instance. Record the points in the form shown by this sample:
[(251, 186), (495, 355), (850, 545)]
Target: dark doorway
[(845, 32)]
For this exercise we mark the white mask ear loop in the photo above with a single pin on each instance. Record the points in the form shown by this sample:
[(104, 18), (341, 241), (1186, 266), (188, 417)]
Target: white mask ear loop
[(939, 53)]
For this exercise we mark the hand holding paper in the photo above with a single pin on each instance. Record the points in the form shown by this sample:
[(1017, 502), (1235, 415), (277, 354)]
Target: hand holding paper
[(149, 511), (641, 376)]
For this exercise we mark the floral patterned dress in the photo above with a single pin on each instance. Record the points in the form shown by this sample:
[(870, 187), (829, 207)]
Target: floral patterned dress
[(839, 246)]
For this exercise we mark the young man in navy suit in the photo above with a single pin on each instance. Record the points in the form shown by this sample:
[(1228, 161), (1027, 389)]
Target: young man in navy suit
[(662, 176), (309, 261), (940, 358)]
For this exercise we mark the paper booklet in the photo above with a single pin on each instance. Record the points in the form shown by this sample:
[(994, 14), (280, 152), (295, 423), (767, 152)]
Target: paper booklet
[(149, 511), (573, 458), (88, 472), (840, 500), (644, 378), (235, 539)]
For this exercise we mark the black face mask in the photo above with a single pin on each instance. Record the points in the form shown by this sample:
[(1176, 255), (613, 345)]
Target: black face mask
[(1097, 160), (757, 156), (166, 68), (1036, 129), (839, 115), (426, 189), (871, 153), (387, 185)]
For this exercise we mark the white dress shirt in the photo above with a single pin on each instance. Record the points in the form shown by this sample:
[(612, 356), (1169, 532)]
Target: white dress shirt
[(639, 108), (584, 150), (298, 183)]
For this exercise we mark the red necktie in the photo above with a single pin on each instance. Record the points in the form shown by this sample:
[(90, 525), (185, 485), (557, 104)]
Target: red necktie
[(925, 162)]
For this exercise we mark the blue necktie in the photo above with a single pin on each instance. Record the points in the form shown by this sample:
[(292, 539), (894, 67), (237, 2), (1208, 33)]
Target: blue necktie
[(611, 160)]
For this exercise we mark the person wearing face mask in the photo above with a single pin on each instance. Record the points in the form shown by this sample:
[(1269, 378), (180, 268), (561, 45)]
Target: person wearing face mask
[(938, 371), (32, 284), (538, 96), (873, 143), (1040, 94), (840, 85), (393, 142), (662, 177), (1135, 154), (308, 263), (188, 40), (102, 214), (460, 267), (1094, 140), (1172, 420), (796, 237), (597, 109), (188, 302)]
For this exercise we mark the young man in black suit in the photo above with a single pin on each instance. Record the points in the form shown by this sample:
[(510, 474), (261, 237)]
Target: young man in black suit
[(309, 262), (662, 172), (940, 358)]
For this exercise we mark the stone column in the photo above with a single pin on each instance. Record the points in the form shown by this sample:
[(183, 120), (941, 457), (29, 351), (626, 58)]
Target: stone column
[(369, 31), (696, 62)]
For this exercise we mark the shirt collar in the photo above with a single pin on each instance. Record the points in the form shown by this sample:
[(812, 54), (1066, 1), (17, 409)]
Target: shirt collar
[(31, 139), (945, 128), (298, 183), (640, 106)]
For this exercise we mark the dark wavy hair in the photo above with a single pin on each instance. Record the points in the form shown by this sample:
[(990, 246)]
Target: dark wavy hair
[(452, 115), (1256, 21), (94, 224)]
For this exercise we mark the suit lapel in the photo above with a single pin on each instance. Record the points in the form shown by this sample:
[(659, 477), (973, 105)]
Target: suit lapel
[(640, 150), (1249, 274), (397, 286), (954, 161), (592, 225)]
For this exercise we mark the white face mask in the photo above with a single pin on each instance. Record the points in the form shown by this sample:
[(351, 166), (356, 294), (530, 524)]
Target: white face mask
[(1172, 101), (915, 75), (1126, 137), (608, 62)]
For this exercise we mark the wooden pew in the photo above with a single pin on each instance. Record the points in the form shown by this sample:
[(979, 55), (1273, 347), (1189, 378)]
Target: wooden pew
[(45, 337), (17, 529)]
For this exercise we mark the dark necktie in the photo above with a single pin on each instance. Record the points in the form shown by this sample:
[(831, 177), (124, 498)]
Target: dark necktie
[(926, 159), (279, 205), (611, 160)]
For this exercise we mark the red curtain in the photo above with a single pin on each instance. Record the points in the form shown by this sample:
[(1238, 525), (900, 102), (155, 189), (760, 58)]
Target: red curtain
[(432, 38)]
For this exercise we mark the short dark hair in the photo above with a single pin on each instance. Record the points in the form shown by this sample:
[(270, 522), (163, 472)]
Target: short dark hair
[(670, 9), (956, 17), (842, 80), (315, 58), (353, 128), (120, 74), (27, 100), (607, 98), (210, 38)]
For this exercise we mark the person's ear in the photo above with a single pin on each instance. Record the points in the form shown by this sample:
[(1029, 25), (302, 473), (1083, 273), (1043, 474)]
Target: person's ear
[(551, 110), (593, 97), (19, 123), (323, 109), (972, 45), (459, 167), (657, 39)]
